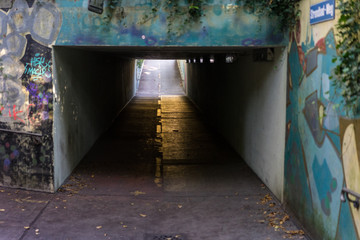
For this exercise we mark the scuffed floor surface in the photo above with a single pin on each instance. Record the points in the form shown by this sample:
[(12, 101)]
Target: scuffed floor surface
[(159, 173)]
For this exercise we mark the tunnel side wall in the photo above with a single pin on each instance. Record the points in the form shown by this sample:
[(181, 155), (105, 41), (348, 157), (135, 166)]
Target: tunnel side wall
[(246, 101), (91, 89)]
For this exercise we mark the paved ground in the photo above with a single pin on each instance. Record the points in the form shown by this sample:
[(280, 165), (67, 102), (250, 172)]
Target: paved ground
[(158, 173)]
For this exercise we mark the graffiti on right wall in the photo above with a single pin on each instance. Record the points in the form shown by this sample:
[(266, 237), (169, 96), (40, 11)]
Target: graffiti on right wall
[(322, 143)]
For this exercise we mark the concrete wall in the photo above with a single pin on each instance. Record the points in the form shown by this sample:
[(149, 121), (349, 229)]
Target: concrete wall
[(246, 101), (133, 23), (91, 89), (321, 149), (139, 65), (182, 69)]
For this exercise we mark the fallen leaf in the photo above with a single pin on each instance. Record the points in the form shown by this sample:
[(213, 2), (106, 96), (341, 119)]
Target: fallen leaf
[(124, 226), (2, 210), (180, 206), (137, 193), (142, 215), (272, 214), (99, 227), (295, 232), (285, 218), (27, 227), (28, 200)]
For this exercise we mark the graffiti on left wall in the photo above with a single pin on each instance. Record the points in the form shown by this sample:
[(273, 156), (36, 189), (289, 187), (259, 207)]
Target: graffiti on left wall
[(27, 31)]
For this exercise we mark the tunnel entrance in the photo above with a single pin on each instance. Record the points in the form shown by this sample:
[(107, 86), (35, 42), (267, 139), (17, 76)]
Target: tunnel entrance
[(242, 95), (161, 77), (164, 165)]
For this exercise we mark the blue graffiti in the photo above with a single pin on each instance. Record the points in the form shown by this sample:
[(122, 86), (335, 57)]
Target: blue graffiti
[(38, 68), (325, 184)]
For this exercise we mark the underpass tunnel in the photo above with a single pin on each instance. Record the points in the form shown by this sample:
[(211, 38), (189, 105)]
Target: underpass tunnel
[(240, 91)]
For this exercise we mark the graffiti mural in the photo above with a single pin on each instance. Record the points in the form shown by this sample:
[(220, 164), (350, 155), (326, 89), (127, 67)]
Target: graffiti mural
[(322, 149), (28, 28), (224, 24)]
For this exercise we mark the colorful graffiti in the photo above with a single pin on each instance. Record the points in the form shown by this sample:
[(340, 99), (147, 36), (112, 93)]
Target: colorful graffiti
[(28, 28), (321, 149)]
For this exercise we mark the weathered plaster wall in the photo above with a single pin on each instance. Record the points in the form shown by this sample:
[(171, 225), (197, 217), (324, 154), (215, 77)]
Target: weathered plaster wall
[(246, 101), (91, 89), (224, 24), (321, 151), (27, 31)]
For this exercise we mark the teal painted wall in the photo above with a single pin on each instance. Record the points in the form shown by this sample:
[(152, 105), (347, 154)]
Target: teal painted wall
[(322, 150), (224, 24)]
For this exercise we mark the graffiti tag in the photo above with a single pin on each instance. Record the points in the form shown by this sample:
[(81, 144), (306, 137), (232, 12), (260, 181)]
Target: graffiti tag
[(38, 67)]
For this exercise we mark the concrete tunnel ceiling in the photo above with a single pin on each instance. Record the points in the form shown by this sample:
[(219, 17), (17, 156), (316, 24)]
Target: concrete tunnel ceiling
[(173, 52)]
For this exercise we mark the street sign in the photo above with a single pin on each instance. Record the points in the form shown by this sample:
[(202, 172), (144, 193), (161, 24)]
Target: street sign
[(322, 12), (96, 6)]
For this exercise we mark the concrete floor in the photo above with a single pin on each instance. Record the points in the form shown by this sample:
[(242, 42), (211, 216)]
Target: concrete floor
[(159, 173)]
